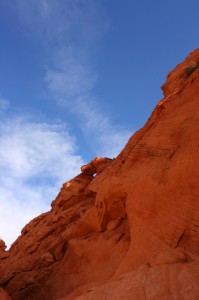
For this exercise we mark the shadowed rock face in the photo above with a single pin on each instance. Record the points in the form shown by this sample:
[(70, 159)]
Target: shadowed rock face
[(130, 232)]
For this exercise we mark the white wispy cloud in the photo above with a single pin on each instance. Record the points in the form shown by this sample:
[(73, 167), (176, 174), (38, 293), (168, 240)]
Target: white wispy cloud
[(35, 159)]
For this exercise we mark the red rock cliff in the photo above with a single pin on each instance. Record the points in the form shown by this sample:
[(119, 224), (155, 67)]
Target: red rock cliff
[(131, 231)]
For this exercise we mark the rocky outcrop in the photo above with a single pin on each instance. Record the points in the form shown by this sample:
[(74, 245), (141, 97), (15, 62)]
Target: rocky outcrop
[(96, 165), (3, 253), (126, 228)]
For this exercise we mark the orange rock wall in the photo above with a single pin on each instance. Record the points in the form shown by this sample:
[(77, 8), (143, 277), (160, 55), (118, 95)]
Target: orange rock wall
[(131, 231)]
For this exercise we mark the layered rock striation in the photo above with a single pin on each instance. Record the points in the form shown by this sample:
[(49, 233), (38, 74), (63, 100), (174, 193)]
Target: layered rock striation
[(126, 228)]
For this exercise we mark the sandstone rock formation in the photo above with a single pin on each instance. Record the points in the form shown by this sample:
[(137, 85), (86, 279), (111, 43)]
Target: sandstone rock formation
[(132, 230)]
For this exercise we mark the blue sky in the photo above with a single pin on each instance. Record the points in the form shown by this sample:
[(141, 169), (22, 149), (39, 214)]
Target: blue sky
[(77, 78)]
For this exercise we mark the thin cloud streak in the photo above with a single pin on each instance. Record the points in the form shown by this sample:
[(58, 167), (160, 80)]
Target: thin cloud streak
[(69, 78), (4, 104), (66, 22), (107, 140)]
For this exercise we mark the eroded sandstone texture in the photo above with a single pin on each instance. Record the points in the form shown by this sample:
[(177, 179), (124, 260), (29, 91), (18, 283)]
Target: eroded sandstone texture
[(126, 228)]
